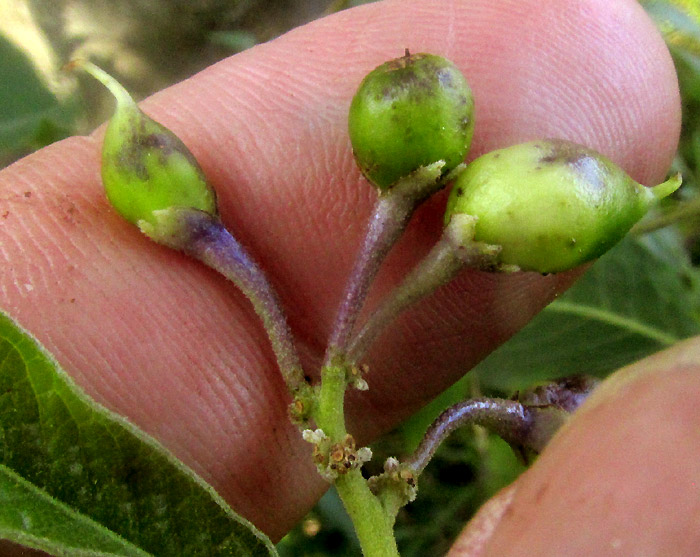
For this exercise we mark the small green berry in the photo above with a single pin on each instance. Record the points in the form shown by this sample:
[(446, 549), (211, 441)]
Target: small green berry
[(145, 167), (550, 205), (410, 112)]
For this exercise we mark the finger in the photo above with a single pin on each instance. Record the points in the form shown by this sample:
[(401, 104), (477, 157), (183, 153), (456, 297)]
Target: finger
[(178, 350), (625, 468), (472, 541)]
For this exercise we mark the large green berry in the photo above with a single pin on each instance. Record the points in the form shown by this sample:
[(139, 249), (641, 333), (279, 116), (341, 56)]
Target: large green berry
[(145, 167), (550, 205), (410, 112)]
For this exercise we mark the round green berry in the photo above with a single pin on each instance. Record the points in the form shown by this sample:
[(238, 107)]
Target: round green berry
[(410, 112), (550, 205)]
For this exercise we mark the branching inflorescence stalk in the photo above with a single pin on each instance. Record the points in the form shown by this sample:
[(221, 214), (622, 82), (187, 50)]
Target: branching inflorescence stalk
[(391, 214), (429, 95), (438, 267), (373, 526)]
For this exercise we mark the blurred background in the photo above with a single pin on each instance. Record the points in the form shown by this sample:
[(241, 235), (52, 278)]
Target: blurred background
[(146, 44), (651, 280)]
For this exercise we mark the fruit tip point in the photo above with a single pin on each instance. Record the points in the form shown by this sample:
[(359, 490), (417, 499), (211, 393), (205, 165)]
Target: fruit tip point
[(666, 188)]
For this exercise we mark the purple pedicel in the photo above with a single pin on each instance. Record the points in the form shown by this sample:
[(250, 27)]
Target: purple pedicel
[(204, 237)]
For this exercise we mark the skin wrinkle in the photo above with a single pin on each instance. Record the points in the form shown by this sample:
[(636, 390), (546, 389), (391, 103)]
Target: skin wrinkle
[(359, 194), (30, 227), (251, 188), (548, 68), (300, 97), (218, 411), (130, 378), (10, 289), (115, 394), (256, 413)]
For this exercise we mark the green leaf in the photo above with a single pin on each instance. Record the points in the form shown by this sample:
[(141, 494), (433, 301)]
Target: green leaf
[(31, 517), (639, 298), (77, 479)]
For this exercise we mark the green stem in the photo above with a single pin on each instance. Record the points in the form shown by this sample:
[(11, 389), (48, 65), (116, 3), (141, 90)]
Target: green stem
[(330, 415), (373, 524), (392, 501), (373, 527)]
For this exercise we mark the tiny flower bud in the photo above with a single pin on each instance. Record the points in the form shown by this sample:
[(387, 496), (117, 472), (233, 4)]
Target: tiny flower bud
[(314, 436)]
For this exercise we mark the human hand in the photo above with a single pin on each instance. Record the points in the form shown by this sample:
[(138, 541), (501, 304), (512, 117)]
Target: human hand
[(180, 352)]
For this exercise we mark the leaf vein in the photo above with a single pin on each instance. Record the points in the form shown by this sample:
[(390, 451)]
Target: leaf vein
[(614, 319)]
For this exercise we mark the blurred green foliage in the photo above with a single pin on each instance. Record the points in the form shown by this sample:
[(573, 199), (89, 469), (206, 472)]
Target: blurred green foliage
[(679, 21), (38, 107), (30, 115), (145, 45)]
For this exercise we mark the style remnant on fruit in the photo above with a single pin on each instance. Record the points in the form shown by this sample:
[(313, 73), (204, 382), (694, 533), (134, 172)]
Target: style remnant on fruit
[(550, 205), (145, 167), (410, 112)]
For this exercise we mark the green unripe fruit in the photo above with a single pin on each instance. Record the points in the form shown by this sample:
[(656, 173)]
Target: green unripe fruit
[(550, 205), (410, 112), (145, 167)]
